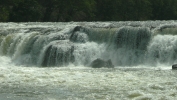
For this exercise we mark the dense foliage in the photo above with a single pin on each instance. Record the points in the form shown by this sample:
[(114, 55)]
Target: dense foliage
[(87, 10)]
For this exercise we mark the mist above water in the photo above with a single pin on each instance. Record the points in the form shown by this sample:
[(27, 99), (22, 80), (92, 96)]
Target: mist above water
[(79, 43), (147, 49)]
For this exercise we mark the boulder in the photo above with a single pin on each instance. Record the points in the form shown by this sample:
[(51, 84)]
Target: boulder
[(98, 63), (79, 35), (109, 64), (174, 67)]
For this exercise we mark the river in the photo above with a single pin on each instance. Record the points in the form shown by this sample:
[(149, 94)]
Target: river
[(51, 61)]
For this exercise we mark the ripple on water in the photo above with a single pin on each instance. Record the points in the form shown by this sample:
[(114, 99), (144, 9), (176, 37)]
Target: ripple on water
[(87, 83)]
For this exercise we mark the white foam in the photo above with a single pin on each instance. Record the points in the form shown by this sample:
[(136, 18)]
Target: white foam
[(80, 82), (84, 82)]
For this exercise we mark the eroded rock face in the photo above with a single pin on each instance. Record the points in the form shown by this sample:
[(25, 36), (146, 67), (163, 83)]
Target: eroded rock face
[(174, 67), (98, 63)]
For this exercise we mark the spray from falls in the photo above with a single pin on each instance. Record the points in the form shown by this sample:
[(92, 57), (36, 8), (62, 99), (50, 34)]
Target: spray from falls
[(131, 45), (126, 44)]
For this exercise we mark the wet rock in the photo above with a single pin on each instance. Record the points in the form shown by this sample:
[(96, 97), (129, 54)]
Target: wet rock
[(174, 67), (109, 64), (79, 35), (98, 63)]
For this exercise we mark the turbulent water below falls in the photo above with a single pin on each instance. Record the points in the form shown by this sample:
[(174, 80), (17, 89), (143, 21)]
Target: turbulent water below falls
[(84, 83), (51, 61)]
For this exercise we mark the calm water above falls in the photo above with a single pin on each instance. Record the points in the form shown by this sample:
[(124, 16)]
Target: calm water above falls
[(50, 61)]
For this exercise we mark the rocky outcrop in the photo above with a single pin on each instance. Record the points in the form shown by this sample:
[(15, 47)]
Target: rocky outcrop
[(79, 35), (98, 63), (174, 67)]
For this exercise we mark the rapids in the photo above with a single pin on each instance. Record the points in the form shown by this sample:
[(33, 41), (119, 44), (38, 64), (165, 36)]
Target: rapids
[(79, 43), (51, 61)]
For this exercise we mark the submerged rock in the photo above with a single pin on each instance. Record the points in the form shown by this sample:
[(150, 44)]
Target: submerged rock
[(174, 66), (98, 63)]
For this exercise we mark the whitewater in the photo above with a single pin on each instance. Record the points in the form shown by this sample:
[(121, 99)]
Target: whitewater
[(51, 61)]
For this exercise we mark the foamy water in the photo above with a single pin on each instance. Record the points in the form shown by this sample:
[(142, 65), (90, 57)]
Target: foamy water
[(51, 61), (84, 83)]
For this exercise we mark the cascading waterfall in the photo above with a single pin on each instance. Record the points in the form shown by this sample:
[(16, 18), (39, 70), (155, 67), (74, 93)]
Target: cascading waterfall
[(61, 44)]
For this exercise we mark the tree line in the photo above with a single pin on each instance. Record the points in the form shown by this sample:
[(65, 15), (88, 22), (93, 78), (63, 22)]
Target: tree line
[(86, 10)]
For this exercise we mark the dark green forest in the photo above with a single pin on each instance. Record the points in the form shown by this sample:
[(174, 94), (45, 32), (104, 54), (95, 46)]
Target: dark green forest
[(86, 10)]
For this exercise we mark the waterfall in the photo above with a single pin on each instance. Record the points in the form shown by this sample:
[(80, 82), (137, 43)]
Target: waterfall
[(79, 43)]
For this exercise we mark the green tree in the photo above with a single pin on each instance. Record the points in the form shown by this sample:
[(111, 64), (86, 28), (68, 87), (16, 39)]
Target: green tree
[(87, 10), (169, 10), (48, 8), (107, 10), (25, 11), (4, 14), (4, 10), (76, 10), (127, 9)]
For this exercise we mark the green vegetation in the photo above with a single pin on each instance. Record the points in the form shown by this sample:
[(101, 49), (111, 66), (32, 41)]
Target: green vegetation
[(86, 10)]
